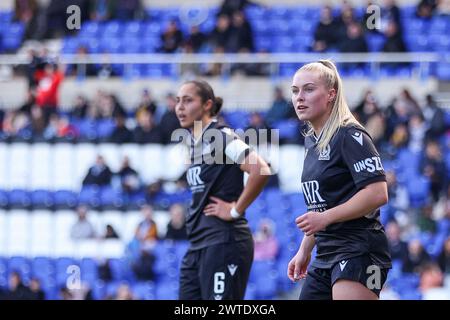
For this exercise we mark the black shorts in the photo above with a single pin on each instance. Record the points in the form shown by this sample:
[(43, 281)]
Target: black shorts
[(217, 272), (319, 282)]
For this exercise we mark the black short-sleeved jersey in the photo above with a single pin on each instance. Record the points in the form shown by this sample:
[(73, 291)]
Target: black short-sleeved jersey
[(349, 163), (214, 171)]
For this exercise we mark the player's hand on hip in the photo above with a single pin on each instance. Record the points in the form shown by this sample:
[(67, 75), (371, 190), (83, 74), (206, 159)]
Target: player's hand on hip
[(219, 208), (297, 267), (312, 222)]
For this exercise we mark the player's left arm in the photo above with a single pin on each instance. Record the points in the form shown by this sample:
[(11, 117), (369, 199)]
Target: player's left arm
[(364, 163)]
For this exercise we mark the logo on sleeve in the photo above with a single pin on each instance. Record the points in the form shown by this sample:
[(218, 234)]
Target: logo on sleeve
[(325, 154), (358, 137), (370, 165), (342, 264)]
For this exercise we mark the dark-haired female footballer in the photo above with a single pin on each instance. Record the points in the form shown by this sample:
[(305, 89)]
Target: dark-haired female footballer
[(217, 264), (344, 185)]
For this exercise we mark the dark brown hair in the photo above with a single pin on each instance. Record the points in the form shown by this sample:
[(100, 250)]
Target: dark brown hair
[(206, 93)]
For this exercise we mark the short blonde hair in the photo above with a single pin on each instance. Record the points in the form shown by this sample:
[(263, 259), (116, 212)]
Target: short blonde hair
[(340, 113)]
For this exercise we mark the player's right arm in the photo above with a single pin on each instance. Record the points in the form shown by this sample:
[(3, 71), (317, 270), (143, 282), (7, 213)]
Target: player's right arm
[(299, 264)]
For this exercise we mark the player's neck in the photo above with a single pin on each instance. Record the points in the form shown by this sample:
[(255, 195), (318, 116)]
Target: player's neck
[(198, 130), (318, 124)]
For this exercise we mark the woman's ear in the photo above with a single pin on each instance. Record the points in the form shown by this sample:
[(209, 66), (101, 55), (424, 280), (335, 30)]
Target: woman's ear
[(208, 106), (331, 95)]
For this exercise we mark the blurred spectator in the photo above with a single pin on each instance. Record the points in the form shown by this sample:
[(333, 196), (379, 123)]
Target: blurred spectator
[(29, 102), (432, 165), (129, 10), (398, 141), (143, 266), (102, 10), (120, 134), (398, 204), (147, 103), (172, 38), (110, 233), (35, 290), (124, 293), (425, 220), (38, 122), (146, 130), (104, 270), (65, 294), (80, 108), (326, 35), (48, 89), (417, 129), (397, 247), (281, 108), (390, 12), (257, 123), (220, 35), (435, 118), (442, 8), (425, 9), (394, 43), (105, 106), (249, 69), (17, 290), (59, 127), (36, 66), (416, 257), (354, 40), (176, 228), (241, 35), (146, 231), (83, 228), (129, 178), (411, 103), (216, 68), (82, 70), (444, 257), (266, 244), (169, 121), (26, 12), (229, 7), (99, 174), (196, 39), (432, 283)]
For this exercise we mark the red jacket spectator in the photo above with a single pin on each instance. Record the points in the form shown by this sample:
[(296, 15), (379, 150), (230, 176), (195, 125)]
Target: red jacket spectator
[(48, 85)]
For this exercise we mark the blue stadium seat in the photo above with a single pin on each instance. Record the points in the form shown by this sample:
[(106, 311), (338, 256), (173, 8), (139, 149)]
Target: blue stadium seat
[(112, 29), (264, 275), (144, 290), (90, 29), (418, 190), (18, 198), (133, 29), (111, 198), (4, 200), (105, 127), (65, 199), (237, 119), (167, 291), (42, 267), (21, 265), (443, 71), (87, 129), (89, 195), (42, 199)]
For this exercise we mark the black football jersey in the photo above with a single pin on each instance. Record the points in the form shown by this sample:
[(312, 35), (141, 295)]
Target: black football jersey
[(214, 171), (329, 178)]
